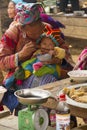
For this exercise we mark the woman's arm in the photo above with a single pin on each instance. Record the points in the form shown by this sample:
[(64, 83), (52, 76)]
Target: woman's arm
[(9, 56)]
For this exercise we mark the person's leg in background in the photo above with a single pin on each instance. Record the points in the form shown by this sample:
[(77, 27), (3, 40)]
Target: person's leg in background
[(75, 5), (63, 5), (1, 107)]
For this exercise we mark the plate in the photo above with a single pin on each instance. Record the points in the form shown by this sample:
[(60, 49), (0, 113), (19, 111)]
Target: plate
[(73, 102), (78, 75), (32, 96)]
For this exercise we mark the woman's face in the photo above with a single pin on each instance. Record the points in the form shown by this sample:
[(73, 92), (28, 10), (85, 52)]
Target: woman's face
[(47, 45), (11, 10), (33, 32)]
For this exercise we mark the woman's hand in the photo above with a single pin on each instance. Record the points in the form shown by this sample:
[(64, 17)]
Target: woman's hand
[(27, 51)]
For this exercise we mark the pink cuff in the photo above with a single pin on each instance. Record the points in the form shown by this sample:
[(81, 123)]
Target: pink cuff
[(37, 65)]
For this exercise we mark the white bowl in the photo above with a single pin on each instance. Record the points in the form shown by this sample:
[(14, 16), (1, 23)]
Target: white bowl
[(2, 91), (78, 75), (79, 13), (44, 57)]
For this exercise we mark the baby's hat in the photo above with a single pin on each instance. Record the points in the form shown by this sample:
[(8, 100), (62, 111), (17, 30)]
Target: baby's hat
[(54, 34)]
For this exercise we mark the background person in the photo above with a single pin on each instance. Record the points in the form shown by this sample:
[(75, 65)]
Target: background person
[(11, 8), (81, 64), (64, 3)]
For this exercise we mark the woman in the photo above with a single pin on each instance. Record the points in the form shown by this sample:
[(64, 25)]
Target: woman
[(20, 47), (39, 67), (82, 61), (11, 8)]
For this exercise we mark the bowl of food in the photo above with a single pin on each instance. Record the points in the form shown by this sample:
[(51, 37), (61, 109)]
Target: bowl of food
[(78, 75), (2, 91), (76, 98), (44, 57)]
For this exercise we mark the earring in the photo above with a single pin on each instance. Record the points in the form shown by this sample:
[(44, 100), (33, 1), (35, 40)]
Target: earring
[(24, 35)]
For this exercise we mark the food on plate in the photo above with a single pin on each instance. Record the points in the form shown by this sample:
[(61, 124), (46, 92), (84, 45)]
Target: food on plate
[(78, 94), (82, 99)]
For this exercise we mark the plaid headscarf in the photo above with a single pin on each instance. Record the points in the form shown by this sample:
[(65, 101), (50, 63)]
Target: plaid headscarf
[(28, 13)]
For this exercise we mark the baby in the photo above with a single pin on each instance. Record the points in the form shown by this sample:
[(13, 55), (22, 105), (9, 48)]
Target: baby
[(48, 49)]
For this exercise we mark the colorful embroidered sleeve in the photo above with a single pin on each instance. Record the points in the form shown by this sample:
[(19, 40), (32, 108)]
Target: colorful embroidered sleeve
[(8, 58), (82, 61)]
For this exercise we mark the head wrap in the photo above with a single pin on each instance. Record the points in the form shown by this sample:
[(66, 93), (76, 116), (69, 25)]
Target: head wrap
[(28, 13), (48, 19), (17, 1), (54, 34)]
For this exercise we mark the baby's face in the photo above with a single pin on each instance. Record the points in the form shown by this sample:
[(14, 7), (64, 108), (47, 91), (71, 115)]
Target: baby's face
[(47, 45)]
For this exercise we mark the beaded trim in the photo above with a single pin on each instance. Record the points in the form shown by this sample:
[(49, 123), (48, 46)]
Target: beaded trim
[(16, 59)]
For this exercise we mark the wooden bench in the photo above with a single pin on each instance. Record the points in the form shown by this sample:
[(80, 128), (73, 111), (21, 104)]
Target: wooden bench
[(76, 27)]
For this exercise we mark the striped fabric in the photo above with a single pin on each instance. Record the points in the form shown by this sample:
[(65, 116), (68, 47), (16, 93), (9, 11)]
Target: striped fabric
[(34, 81)]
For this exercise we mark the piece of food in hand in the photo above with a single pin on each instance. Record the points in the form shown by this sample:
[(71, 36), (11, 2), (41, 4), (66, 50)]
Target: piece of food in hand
[(59, 52)]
